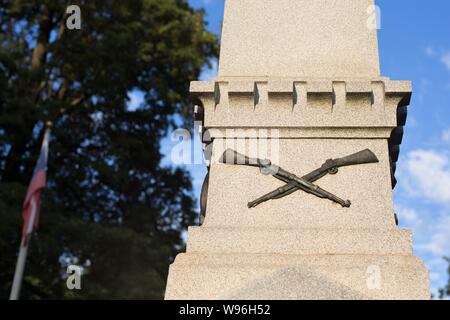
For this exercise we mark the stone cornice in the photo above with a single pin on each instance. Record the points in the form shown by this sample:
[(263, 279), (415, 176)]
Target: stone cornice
[(301, 103)]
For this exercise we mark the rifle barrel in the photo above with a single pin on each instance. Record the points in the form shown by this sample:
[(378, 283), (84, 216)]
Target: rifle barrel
[(235, 158)]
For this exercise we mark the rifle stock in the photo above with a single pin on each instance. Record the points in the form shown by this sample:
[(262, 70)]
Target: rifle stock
[(362, 157)]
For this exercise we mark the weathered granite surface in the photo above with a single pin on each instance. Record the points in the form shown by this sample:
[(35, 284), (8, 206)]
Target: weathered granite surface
[(277, 276), (299, 83), (301, 38)]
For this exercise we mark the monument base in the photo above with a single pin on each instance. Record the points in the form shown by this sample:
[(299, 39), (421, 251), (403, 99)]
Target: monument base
[(201, 276), (298, 84)]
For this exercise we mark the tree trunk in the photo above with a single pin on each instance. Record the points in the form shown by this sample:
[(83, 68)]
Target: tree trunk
[(14, 161)]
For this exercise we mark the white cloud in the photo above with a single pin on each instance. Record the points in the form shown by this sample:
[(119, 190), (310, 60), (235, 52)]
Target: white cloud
[(425, 176), (431, 234), (443, 55), (438, 243), (409, 217), (438, 246), (423, 204), (426, 173), (431, 230), (445, 59)]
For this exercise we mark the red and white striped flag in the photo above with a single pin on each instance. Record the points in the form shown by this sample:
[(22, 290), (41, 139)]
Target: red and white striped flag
[(31, 205), (30, 212)]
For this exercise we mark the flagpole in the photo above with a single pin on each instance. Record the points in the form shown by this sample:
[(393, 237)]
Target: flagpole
[(20, 266)]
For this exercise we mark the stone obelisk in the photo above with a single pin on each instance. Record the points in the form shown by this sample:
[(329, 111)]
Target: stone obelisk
[(301, 81)]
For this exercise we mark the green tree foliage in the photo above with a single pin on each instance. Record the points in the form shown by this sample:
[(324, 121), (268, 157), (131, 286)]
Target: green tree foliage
[(110, 205)]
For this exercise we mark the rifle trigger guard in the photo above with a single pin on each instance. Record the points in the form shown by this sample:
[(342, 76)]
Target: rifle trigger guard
[(333, 170)]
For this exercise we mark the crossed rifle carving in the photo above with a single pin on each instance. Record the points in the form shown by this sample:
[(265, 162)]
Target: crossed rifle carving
[(293, 182)]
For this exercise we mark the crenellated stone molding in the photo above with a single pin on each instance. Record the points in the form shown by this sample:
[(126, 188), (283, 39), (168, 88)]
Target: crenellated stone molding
[(301, 103)]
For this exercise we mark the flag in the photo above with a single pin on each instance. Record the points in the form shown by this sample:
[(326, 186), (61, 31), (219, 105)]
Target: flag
[(31, 204)]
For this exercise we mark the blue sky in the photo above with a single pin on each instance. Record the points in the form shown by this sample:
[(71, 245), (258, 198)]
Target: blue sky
[(414, 43)]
